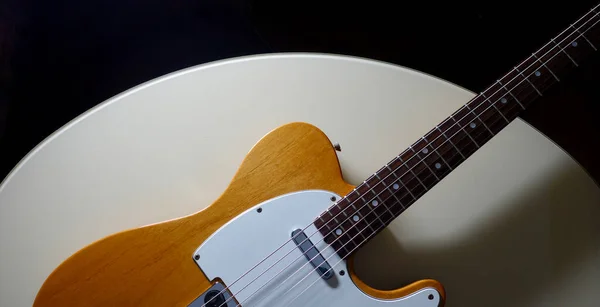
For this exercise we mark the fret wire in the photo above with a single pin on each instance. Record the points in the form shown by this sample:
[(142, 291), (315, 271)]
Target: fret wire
[(370, 208), (426, 164), (477, 116), (362, 216), (341, 210), (449, 141), (469, 134), (563, 50), (334, 217), (465, 131), (584, 37), (412, 172), (511, 94), (548, 68), (441, 157), (391, 192), (356, 212), (402, 183), (372, 211), (452, 145), (379, 198), (362, 234), (495, 107), (527, 79)]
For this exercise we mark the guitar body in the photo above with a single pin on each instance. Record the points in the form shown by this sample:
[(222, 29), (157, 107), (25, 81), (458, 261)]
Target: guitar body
[(290, 175)]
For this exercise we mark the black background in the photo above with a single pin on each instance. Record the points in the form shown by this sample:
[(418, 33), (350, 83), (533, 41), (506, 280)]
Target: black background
[(60, 58)]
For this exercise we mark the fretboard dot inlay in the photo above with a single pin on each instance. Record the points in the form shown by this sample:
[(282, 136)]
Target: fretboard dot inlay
[(400, 183)]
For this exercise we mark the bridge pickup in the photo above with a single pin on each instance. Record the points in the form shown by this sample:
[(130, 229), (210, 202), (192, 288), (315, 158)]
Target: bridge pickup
[(312, 254)]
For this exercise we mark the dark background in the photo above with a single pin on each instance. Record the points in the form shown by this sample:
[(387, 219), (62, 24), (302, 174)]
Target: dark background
[(60, 58)]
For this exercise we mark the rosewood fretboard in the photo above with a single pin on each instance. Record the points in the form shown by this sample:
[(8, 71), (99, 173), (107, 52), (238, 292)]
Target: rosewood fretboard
[(365, 211)]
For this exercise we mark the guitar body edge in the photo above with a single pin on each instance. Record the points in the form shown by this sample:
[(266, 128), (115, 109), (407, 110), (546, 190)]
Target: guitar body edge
[(153, 266)]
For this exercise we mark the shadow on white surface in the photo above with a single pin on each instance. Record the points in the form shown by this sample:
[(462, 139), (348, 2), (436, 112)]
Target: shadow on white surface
[(547, 237)]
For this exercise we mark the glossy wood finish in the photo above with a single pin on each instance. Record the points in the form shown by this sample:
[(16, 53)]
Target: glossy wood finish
[(396, 293), (152, 266)]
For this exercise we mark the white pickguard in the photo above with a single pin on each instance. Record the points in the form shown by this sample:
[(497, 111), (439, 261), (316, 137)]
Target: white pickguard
[(291, 281)]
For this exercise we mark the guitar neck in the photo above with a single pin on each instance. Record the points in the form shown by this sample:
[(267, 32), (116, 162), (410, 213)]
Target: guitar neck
[(375, 203)]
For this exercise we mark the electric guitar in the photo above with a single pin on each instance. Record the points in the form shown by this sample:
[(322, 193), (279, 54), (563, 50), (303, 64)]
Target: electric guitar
[(285, 230)]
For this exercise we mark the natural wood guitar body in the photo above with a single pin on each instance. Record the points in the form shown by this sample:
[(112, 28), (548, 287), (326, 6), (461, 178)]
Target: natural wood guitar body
[(153, 265)]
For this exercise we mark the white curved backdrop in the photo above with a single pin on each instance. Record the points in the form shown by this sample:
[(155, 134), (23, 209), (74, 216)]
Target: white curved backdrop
[(516, 225)]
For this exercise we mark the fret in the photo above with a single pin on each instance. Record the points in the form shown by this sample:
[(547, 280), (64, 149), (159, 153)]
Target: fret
[(563, 50), (353, 201), (410, 169), (544, 64), (350, 229), (392, 194), (371, 205), (370, 217), (363, 216), (447, 156), (469, 122), (537, 73), (449, 141), (584, 37), (362, 224), (381, 204), (426, 165), (574, 43), (437, 153), (401, 192), (367, 209), (333, 216), (343, 247), (458, 136), (403, 185), (554, 58), (530, 83), (480, 120), (465, 131), (511, 94), (495, 107), (493, 116), (578, 48)]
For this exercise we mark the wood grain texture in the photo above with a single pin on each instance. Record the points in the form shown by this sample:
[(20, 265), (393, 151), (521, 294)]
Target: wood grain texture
[(153, 266)]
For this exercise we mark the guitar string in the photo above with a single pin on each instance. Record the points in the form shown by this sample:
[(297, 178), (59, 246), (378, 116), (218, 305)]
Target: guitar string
[(438, 136), (358, 245), (369, 225), (405, 162), (428, 174), (372, 234), (381, 227), (389, 220), (490, 131)]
